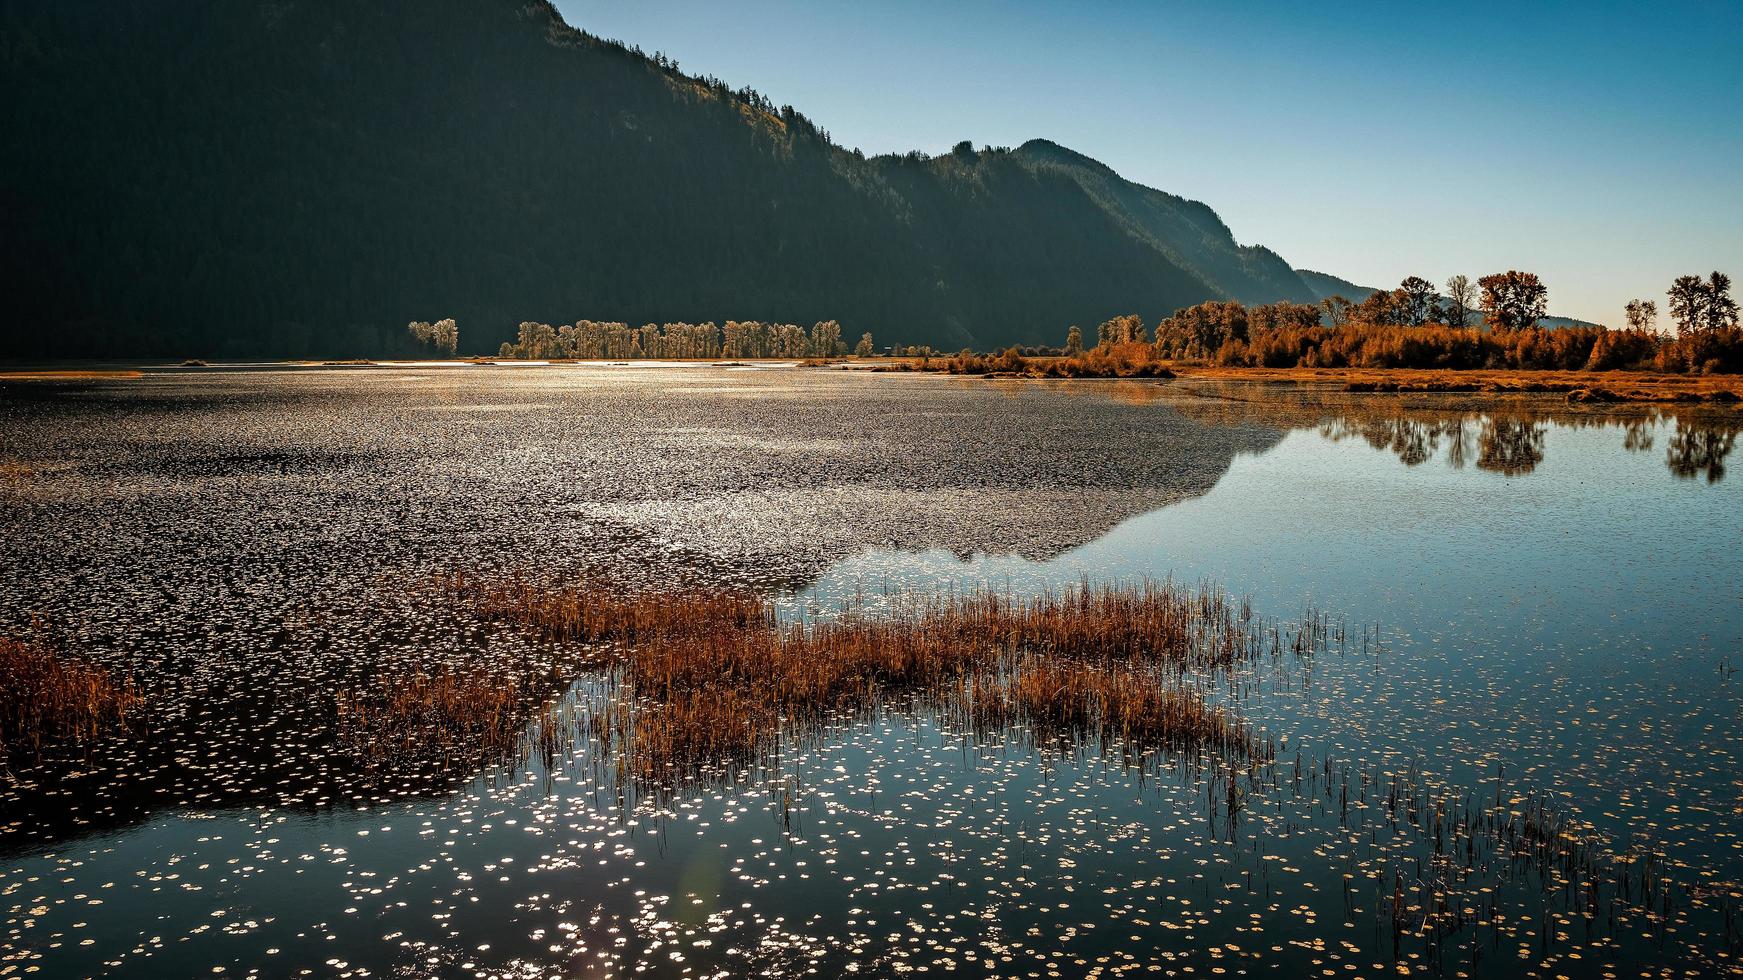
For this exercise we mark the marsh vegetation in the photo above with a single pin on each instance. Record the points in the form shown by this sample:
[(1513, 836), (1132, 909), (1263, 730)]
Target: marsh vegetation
[(51, 698), (715, 679)]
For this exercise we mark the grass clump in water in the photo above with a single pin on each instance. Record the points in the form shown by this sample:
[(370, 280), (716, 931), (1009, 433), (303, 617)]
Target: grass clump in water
[(715, 679), (49, 697), (1076, 700), (446, 719)]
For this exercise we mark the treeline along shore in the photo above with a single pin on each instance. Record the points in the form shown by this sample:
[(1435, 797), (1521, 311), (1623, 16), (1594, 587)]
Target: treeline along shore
[(1493, 324), (591, 339), (1411, 327)]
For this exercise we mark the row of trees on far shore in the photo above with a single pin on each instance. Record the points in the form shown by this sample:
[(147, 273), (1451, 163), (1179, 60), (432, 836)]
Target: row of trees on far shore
[(443, 335), (1417, 326), (1509, 300), (590, 339), (1516, 300)]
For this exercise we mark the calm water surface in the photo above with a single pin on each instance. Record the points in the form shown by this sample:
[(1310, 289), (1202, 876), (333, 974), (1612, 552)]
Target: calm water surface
[(1539, 604)]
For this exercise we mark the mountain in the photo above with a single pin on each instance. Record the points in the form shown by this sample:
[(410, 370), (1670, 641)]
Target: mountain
[(278, 178), (1324, 286), (233, 177), (1187, 232)]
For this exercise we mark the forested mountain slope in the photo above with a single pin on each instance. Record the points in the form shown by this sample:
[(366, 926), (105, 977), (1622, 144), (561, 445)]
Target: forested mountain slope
[(239, 177)]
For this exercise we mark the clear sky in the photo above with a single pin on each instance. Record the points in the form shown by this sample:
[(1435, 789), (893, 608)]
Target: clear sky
[(1597, 144)]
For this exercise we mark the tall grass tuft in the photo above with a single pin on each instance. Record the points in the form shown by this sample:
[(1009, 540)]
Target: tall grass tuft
[(445, 711), (715, 679), (49, 697)]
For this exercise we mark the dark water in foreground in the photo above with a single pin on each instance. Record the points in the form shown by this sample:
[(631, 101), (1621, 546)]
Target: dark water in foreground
[(1547, 600)]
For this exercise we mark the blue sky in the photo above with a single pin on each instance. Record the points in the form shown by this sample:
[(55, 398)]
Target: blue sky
[(1598, 144)]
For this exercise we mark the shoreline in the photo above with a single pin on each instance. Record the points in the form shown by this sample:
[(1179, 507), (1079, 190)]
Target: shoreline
[(1593, 387), (1578, 386)]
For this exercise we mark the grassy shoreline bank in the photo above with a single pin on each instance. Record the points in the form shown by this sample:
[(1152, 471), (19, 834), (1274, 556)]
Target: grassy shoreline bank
[(1598, 385), (1577, 386)]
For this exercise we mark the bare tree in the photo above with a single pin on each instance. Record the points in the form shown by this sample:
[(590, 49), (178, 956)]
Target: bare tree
[(1642, 314), (1461, 298), (1337, 310)]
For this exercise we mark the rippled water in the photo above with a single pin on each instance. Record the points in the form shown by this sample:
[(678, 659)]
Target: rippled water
[(1539, 601)]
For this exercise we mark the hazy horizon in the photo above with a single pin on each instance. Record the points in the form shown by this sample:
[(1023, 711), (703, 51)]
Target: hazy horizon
[(1336, 137)]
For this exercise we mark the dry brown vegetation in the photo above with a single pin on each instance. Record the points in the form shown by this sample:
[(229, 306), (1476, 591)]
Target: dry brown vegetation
[(49, 697), (447, 708), (715, 680), (1595, 385), (66, 375), (1137, 361), (712, 684), (1071, 699), (1289, 335), (1125, 360)]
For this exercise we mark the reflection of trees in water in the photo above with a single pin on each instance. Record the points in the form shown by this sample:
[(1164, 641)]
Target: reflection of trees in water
[(1501, 444), (1513, 444), (1499, 435), (1459, 447), (1695, 450), (1509, 446), (1637, 434), (1412, 440)]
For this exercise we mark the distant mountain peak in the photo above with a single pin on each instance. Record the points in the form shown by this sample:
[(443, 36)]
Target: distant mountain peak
[(1189, 233), (1046, 151)]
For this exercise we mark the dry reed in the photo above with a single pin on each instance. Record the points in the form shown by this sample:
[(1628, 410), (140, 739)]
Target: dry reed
[(446, 712), (48, 697), (716, 679), (1074, 700)]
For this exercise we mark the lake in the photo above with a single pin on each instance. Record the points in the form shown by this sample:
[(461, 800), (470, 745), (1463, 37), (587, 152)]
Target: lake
[(1529, 608)]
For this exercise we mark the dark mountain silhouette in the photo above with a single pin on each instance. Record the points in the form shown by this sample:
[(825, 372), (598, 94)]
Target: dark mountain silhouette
[(251, 177), (1325, 285), (1187, 232)]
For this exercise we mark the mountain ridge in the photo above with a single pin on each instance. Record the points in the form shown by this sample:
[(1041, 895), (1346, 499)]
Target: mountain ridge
[(261, 178)]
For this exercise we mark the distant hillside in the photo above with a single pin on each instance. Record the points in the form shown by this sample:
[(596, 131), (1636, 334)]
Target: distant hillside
[(1189, 233), (1325, 286), (248, 177)]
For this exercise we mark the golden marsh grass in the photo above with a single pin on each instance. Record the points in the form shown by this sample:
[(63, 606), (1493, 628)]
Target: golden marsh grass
[(716, 679), (48, 697)]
